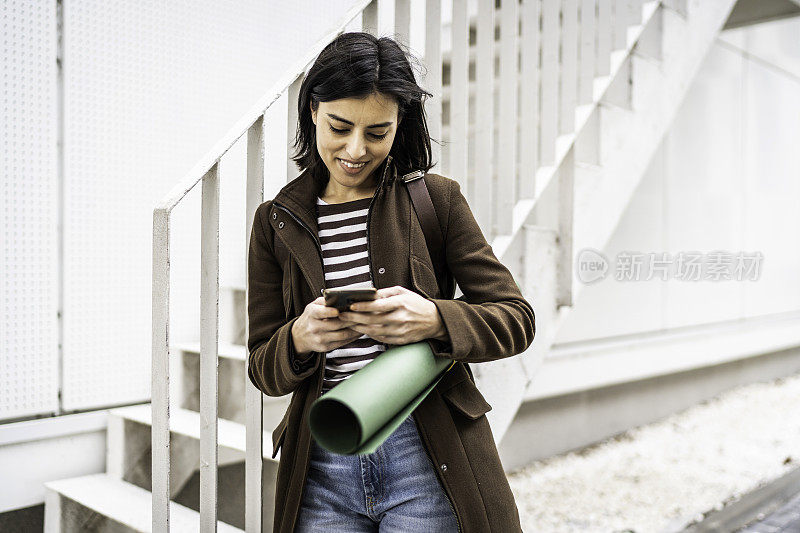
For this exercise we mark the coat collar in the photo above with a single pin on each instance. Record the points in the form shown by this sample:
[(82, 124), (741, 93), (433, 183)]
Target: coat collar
[(300, 194), (299, 198)]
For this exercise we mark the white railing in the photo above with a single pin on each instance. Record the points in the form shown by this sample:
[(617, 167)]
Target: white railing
[(545, 109)]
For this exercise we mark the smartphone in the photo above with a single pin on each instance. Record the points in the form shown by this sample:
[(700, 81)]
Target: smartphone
[(341, 298)]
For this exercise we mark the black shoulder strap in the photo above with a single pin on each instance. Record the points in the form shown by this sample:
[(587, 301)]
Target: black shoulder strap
[(428, 219)]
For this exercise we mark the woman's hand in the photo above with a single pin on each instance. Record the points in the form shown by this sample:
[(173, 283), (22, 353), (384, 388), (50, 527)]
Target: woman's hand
[(319, 329), (397, 316)]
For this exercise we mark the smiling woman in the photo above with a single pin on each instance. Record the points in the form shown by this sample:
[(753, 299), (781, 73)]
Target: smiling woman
[(354, 135), (359, 103), (347, 221)]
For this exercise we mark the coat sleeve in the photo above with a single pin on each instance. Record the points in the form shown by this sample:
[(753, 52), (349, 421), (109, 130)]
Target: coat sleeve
[(272, 365), (493, 320)]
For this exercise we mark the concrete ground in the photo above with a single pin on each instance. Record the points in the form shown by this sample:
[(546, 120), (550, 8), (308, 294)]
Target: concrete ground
[(662, 476)]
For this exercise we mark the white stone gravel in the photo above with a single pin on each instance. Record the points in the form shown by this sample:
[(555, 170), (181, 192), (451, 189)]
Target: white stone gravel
[(655, 477)]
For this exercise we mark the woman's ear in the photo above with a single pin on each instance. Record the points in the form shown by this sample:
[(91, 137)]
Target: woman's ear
[(313, 113)]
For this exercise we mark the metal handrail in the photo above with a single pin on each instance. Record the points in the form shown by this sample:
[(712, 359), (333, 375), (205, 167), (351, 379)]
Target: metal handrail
[(207, 171)]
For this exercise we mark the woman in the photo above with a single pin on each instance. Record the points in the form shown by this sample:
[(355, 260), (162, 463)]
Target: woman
[(347, 221)]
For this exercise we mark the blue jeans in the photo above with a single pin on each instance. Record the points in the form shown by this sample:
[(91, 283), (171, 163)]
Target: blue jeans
[(394, 489)]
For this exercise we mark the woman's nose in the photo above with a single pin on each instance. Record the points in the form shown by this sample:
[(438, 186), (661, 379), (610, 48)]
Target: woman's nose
[(356, 148)]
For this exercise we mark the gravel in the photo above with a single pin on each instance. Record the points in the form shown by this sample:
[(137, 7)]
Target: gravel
[(657, 477)]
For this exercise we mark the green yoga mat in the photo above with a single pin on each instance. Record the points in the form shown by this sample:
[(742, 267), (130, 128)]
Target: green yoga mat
[(359, 414)]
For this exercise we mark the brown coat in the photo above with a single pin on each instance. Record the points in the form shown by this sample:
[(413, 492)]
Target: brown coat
[(495, 322)]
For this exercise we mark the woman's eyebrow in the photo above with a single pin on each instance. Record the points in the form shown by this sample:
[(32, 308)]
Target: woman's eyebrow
[(381, 125)]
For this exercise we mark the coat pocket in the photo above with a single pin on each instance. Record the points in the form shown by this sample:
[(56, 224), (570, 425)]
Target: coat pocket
[(423, 278), (466, 399)]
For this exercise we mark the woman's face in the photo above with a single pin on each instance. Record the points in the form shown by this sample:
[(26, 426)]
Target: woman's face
[(359, 131)]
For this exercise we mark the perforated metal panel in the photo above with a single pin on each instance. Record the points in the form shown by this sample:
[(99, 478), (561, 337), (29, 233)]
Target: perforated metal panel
[(28, 196), (150, 86)]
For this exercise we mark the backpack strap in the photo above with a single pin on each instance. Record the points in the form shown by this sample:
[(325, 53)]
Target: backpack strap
[(426, 213)]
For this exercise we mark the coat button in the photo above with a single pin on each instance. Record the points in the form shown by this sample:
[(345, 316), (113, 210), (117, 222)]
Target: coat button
[(381, 270), (280, 224), (443, 467), (274, 216)]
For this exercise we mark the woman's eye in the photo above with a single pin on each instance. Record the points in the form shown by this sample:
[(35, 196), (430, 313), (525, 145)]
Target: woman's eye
[(342, 132)]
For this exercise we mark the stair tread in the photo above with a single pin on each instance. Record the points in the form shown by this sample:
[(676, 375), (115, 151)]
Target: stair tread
[(126, 503), (225, 349), (186, 422)]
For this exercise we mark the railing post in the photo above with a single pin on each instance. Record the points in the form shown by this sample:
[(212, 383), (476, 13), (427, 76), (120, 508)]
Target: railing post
[(484, 115), (620, 24), (402, 20), (159, 438), (369, 18), (529, 98), (587, 49), (549, 114), (507, 134), (433, 76), (569, 66), (459, 85), (603, 55), (566, 203), (254, 406), (209, 347)]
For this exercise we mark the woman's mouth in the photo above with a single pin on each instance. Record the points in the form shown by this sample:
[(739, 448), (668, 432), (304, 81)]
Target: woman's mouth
[(351, 168)]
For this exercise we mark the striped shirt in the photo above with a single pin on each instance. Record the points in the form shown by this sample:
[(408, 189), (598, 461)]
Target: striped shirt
[(343, 235)]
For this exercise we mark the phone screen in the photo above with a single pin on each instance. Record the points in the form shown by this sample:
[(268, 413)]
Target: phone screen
[(342, 298)]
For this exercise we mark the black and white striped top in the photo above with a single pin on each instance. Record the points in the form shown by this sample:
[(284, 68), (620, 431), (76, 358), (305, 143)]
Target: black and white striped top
[(343, 236)]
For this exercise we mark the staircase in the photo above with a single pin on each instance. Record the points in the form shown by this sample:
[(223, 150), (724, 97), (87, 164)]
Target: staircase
[(582, 195), (569, 192), (122, 496)]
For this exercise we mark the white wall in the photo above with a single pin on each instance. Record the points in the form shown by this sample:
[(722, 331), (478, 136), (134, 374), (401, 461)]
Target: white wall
[(36, 451), (725, 178), (29, 276), (148, 88)]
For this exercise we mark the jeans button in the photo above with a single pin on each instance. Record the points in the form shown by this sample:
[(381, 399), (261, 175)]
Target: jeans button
[(280, 224), (443, 467), (381, 270), (274, 216)]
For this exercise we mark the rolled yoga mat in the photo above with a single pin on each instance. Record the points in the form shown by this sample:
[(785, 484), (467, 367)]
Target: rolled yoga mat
[(359, 414)]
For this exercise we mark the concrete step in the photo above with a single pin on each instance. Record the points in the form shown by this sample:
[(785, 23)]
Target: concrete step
[(233, 382), (129, 433), (129, 459), (100, 502)]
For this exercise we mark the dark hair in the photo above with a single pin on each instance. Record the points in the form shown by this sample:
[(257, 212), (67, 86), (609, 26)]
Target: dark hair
[(356, 65)]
